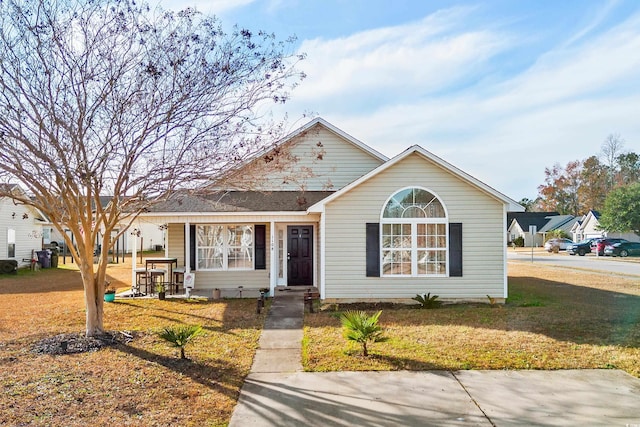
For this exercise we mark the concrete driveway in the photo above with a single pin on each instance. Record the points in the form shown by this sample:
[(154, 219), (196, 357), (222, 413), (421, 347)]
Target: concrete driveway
[(440, 398)]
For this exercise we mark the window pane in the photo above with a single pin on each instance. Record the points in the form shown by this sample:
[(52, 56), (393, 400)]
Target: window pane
[(431, 262), (240, 249), (413, 203), (396, 262), (210, 258), (209, 235)]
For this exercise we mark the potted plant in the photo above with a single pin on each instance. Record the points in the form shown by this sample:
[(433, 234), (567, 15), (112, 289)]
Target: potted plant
[(109, 292), (160, 289), (264, 292)]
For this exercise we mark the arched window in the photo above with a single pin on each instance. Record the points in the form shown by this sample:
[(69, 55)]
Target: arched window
[(414, 234)]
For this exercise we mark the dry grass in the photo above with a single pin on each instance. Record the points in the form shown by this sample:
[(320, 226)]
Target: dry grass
[(142, 383), (554, 319)]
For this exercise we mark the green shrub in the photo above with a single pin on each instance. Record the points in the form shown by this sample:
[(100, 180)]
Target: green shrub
[(362, 328), (180, 336), (427, 301), (519, 241)]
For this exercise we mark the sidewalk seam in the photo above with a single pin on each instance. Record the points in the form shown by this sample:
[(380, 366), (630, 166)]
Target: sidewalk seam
[(475, 402)]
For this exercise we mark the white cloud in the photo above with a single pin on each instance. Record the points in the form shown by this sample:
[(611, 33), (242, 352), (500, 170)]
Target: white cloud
[(425, 56), (426, 83)]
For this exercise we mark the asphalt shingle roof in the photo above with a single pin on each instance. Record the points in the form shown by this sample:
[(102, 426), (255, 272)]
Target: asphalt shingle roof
[(241, 201)]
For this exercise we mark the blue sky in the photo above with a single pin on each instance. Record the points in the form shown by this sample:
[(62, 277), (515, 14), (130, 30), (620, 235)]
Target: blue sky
[(500, 89)]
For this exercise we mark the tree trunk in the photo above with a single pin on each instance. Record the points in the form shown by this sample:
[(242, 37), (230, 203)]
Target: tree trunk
[(93, 282)]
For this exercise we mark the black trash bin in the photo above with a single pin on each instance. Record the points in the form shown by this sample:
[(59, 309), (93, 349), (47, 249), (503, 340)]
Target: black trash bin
[(55, 254), (44, 258)]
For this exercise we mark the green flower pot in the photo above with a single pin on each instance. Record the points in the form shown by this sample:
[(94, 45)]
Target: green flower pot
[(109, 297)]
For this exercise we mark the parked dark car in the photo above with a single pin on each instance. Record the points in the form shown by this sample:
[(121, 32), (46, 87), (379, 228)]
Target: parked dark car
[(623, 249), (580, 248), (607, 242)]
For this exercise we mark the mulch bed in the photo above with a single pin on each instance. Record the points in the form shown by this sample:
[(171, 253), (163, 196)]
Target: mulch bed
[(80, 343)]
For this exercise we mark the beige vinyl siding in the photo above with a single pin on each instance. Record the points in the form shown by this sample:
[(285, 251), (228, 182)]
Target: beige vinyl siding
[(341, 163), (482, 230), (175, 242)]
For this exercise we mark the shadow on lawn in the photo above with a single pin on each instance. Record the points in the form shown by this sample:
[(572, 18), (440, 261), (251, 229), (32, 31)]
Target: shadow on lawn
[(219, 377), (44, 280), (245, 315)]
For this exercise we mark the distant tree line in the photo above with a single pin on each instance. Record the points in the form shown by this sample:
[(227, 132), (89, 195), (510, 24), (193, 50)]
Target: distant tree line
[(583, 185), (608, 183)]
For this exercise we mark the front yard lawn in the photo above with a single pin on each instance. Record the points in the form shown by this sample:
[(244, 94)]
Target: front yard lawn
[(139, 383), (554, 319)]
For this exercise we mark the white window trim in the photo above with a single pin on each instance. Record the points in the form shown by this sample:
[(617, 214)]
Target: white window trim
[(414, 234), (225, 248)]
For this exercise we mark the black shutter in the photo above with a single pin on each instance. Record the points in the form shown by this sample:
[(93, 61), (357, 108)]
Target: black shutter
[(373, 249), (192, 246), (260, 247), (455, 249)]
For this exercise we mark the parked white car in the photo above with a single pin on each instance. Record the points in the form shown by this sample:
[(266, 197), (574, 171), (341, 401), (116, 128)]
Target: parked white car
[(560, 244)]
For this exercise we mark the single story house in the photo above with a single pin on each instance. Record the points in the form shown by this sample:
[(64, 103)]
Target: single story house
[(589, 226), (519, 223), (22, 229), (347, 220)]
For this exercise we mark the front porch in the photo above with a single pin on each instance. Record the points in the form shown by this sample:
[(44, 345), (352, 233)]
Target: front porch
[(232, 257)]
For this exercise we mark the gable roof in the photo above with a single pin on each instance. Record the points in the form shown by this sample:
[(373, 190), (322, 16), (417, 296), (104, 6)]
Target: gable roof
[(7, 189), (416, 149), (558, 222), (322, 122), (588, 218), (527, 219), (240, 201), (318, 121)]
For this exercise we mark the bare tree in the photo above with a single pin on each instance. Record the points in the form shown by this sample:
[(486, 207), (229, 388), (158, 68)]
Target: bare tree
[(612, 148), (112, 98)]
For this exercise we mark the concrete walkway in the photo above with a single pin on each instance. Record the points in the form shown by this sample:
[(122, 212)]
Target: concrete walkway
[(278, 393)]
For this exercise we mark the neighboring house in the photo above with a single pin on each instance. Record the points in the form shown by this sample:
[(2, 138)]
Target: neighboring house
[(21, 228), (359, 227), (519, 223), (589, 226), (151, 235), (562, 223)]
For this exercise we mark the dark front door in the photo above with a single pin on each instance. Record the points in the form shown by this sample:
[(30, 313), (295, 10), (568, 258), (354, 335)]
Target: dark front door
[(300, 255)]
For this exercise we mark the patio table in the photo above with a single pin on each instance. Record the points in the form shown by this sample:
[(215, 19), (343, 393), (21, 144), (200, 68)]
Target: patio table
[(151, 263)]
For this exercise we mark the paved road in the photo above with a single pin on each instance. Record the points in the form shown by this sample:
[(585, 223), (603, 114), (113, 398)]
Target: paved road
[(630, 267)]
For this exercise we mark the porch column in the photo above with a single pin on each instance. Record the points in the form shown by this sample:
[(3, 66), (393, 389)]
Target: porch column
[(273, 269), (187, 247), (134, 255)]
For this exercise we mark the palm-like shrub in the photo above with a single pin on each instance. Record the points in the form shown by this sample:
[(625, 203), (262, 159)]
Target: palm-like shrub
[(427, 301), (362, 328), (180, 336)]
